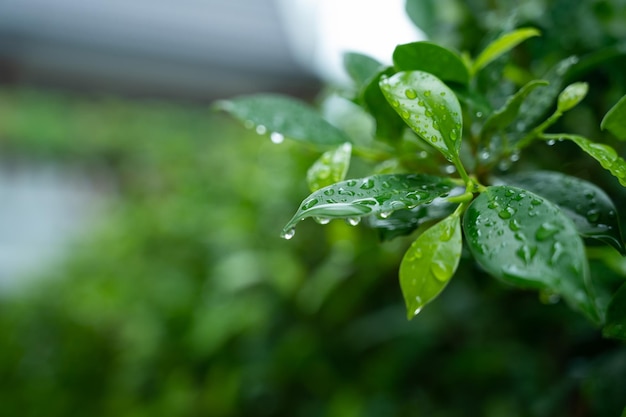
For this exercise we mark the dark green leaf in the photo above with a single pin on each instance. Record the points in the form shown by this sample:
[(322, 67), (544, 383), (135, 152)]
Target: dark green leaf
[(434, 59), (424, 14), (606, 155), (526, 240), (389, 125), (329, 168), (429, 107), (502, 45), (571, 96), (429, 263), (281, 116), (504, 116), (361, 68), (375, 195), (590, 208), (615, 120), (616, 316)]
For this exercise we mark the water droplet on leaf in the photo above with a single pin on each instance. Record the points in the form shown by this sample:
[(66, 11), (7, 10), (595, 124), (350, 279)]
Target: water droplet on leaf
[(289, 233), (410, 93)]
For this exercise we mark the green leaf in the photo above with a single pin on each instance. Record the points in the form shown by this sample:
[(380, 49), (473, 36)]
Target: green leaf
[(424, 14), (429, 107), (615, 119), (571, 96), (606, 155), (504, 116), (389, 125), (616, 315), (281, 116), (525, 240), (329, 168), (502, 45), (404, 222), (588, 206), (429, 263), (374, 195), (361, 68), (434, 59)]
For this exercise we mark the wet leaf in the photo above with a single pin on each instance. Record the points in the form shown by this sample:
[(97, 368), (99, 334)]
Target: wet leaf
[(279, 115), (615, 119), (361, 68), (429, 107), (588, 206), (389, 125), (374, 195), (429, 263), (434, 59), (329, 168), (504, 116), (616, 315), (571, 96), (502, 45), (606, 155), (525, 240)]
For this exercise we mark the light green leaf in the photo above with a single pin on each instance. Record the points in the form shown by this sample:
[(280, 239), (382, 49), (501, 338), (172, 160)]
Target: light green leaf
[(616, 315), (374, 195), (606, 155), (429, 107), (434, 59), (429, 263), (502, 45), (505, 115), (588, 206), (615, 119), (361, 68), (329, 168), (571, 96), (280, 117), (525, 240)]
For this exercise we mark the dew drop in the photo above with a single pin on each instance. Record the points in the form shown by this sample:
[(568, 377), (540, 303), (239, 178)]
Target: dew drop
[(454, 135), (593, 215), (310, 204), (440, 271), (410, 93), (322, 220), (484, 156), (351, 183), (514, 225), (546, 231), (526, 253), (367, 184), (507, 213), (289, 233), (329, 192), (479, 114), (551, 142), (417, 311), (536, 202), (557, 251), (353, 221), (276, 137), (450, 169), (261, 130), (405, 114), (384, 214), (427, 93)]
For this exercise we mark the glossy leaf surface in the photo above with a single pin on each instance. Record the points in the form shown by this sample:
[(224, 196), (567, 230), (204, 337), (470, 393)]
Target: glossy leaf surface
[(606, 155), (329, 168), (505, 115), (429, 263), (524, 239), (571, 96), (434, 59), (502, 45), (615, 119), (279, 115), (616, 315), (374, 195), (389, 125), (589, 207), (429, 107), (361, 68)]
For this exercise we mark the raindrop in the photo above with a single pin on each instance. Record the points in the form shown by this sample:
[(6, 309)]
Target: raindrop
[(368, 184), (546, 231), (440, 271), (353, 221), (557, 251), (515, 225), (514, 156), (484, 155), (329, 192), (593, 215), (454, 135), (450, 169), (405, 114), (507, 213), (479, 114), (351, 183), (410, 93), (276, 137), (395, 103), (322, 220), (427, 93), (289, 233), (421, 103), (442, 94), (384, 214), (536, 202), (417, 311), (309, 204), (526, 253), (493, 205), (261, 130), (551, 142)]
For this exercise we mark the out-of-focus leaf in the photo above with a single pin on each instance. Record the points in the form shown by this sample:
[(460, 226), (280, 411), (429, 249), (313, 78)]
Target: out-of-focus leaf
[(429, 263), (424, 14), (616, 315), (524, 239), (606, 155), (329, 168), (571, 96), (429, 107), (361, 68), (434, 59), (502, 45), (281, 116), (589, 207), (389, 125), (504, 116), (374, 195), (615, 119)]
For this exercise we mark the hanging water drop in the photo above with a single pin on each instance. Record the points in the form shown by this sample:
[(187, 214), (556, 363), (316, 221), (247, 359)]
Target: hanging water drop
[(321, 220), (289, 233), (353, 221), (551, 142), (276, 138)]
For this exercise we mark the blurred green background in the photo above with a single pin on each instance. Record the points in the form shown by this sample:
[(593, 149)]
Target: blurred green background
[(182, 300)]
